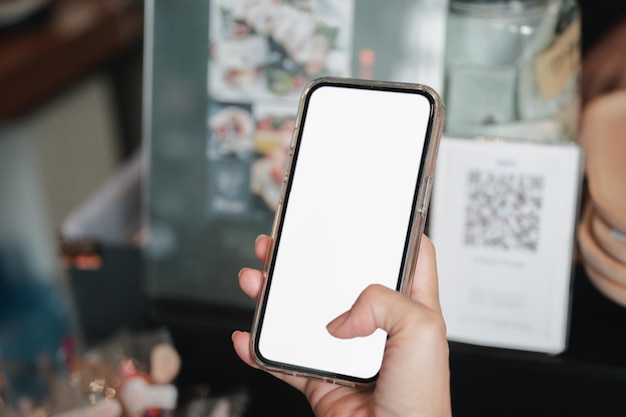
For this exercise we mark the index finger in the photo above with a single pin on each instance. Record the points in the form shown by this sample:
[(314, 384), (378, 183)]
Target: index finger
[(425, 289), (262, 247)]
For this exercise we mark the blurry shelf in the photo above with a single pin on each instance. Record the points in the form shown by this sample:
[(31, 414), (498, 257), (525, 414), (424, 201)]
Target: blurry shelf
[(73, 38)]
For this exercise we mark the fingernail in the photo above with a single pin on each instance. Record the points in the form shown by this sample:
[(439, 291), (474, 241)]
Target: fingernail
[(232, 336), (336, 323), (240, 271), (258, 238)]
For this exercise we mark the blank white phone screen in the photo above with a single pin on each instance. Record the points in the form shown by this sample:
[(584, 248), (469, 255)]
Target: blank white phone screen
[(345, 225)]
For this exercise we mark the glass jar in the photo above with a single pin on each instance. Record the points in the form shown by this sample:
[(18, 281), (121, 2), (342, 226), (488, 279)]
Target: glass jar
[(512, 69)]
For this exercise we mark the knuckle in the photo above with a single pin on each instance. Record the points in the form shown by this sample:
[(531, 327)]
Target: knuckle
[(426, 324)]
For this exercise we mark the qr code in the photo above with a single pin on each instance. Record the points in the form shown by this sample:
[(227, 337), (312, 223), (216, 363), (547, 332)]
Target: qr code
[(503, 210)]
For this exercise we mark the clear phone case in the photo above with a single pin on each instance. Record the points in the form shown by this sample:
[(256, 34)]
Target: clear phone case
[(417, 222)]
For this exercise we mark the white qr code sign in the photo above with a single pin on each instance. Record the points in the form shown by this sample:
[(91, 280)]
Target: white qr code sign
[(502, 220)]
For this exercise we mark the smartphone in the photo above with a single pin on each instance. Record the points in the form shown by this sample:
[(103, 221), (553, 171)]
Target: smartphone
[(351, 213)]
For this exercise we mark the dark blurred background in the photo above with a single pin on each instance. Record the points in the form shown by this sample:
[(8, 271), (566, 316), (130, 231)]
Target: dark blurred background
[(71, 77), (71, 82)]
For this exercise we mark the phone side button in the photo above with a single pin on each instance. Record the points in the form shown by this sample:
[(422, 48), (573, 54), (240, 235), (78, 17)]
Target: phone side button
[(294, 135), (426, 196)]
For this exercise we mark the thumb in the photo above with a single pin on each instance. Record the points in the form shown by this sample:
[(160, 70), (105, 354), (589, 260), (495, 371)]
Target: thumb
[(379, 307)]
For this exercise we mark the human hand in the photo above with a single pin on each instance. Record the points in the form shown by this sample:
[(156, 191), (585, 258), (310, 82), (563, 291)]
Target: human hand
[(414, 379)]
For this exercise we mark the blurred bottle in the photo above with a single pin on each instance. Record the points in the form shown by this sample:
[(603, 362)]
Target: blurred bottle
[(35, 319), (512, 69)]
